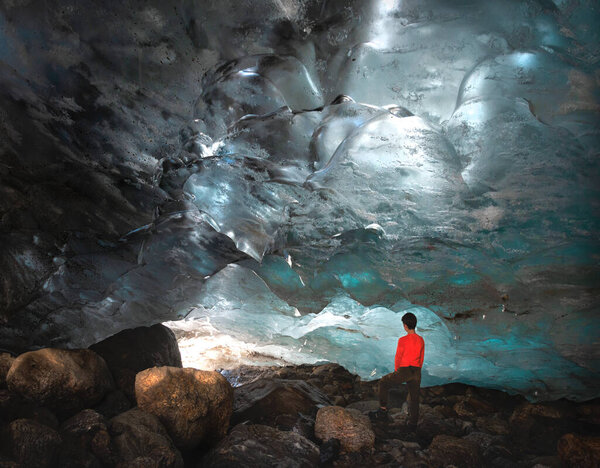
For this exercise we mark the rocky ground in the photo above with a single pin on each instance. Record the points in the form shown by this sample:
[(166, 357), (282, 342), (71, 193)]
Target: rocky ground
[(127, 402)]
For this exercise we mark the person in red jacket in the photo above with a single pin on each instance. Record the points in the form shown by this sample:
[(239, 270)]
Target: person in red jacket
[(407, 364)]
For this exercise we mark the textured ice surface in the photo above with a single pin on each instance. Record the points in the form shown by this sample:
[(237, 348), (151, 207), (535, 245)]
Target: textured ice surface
[(291, 176)]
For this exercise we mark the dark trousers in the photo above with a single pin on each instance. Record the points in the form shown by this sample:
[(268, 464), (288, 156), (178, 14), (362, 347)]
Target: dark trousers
[(412, 377)]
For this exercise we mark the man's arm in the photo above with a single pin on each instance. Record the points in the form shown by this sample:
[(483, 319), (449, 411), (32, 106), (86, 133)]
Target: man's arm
[(422, 355), (399, 353)]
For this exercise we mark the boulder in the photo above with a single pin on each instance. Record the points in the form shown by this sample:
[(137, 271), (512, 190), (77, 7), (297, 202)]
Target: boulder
[(481, 439), (579, 451), (139, 439), (65, 380), (431, 426), (115, 402), (195, 406), (589, 412), (13, 406), (135, 350), (471, 407), (33, 445), (349, 426), (538, 427), (329, 451), (547, 410), (364, 406), (447, 450), (262, 446), (492, 425), (6, 361), (490, 446), (264, 400), (335, 379), (86, 441)]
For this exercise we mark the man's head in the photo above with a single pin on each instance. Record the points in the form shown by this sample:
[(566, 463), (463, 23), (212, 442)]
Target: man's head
[(409, 320)]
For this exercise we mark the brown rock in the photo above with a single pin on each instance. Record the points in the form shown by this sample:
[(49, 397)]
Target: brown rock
[(470, 407), (483, 440), (536, 410), (339, 400), (195, 406), (137, 434), (349, 426), (579, 451), (264, 400), (86, 441), (115, 402), (33, 444), (538, 427), (65, 380), (364, 406), (444, 411), (135, 350), (492, 425), (258, 445), (589, 412), (12, 407), (431, 426), (6, 361), (447, 450)]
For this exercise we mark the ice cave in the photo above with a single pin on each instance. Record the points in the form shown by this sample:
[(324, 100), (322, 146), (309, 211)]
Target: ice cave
[(278, 181)]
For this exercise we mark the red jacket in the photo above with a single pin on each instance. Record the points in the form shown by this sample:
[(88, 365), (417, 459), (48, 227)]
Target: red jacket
[(410, 351)]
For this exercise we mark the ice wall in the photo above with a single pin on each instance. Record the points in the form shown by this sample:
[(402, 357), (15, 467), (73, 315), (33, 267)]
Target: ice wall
[(291, 176)]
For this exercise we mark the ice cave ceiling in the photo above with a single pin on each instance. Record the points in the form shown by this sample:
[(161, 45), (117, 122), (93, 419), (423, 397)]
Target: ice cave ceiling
[(289, 176)]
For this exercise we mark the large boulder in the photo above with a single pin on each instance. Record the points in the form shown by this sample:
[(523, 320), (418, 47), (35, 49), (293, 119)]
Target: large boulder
[(262, 446), (115, 402), (33, 444), (6, 361), (65, 380), (135, 350), (349, 426), (579, 451), (139, 439), (537, 427), (471, 407), (195, 406), (86, 441), (13, 406), (264, 401), (448, 450)]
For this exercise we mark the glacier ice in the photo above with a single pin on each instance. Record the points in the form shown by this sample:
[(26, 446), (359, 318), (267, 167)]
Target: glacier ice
[(281, 180)]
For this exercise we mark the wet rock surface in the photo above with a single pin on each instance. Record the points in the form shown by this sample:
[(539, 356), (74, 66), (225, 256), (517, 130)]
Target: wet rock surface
[(267, 401), (290, 421), (135, 350), (261, 446), (195, 406)]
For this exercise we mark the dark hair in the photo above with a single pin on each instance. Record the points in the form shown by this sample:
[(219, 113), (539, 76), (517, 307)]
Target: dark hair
[(409, 320)]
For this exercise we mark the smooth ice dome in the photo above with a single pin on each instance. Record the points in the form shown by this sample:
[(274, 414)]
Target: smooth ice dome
[(280, 181)]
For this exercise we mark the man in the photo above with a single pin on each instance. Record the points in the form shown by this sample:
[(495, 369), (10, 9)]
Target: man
[(407, 364)]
